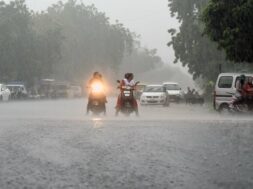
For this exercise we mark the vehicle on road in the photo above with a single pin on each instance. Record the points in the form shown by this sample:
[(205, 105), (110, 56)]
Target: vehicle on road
[(75, 91), (225, 89), (18, 90), (4, 93), (155, 95), (128, 99), (61, 90), (33, 94), (97, 99), (46, 88), (174, 91), (246, 106)]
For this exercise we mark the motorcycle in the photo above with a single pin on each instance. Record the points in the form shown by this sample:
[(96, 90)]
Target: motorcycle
[(97, 99), (245, 105), (127, 98)]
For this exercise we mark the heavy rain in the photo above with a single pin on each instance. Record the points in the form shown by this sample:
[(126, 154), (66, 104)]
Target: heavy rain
[(126, 94)]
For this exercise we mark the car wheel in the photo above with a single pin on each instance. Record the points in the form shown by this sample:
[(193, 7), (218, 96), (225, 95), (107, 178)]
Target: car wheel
[(224, 108), (1, 98)]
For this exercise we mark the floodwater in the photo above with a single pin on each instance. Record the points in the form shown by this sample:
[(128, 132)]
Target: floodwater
[(53, 144)]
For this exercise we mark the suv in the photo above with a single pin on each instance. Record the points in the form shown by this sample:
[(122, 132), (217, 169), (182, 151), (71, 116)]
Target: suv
[(4, 93), (174, 90), (225, 88)]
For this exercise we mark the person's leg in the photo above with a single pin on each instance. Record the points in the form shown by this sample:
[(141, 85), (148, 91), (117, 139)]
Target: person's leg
[(88, 106), (104, 107), (135, 105)]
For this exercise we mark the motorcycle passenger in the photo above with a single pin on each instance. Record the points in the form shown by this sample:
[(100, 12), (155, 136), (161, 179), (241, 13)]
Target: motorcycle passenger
[(127, 81), (96, 78)]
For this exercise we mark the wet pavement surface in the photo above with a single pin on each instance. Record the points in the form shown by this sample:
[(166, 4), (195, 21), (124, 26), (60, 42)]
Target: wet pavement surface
[(53, 144)]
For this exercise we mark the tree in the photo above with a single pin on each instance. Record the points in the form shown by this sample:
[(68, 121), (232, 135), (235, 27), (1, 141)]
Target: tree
[(16, 39), (25, 55), (66, 42), (192, 49), (90, 41), (230, 24)]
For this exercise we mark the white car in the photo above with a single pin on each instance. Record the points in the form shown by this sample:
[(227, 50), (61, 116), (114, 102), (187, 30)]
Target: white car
[(154, 94), (4, 93), (174, 91)]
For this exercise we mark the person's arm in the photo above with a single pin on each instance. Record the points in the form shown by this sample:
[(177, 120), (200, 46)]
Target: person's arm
[(121, 84)]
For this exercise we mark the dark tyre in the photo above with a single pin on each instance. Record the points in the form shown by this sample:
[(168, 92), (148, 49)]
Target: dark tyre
[(224, 108), (1, 98)]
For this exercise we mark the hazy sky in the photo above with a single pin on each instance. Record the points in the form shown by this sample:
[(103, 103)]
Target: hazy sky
[(149, 18)]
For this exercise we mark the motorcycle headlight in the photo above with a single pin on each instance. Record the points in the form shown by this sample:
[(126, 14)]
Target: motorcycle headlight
[(97, 87)]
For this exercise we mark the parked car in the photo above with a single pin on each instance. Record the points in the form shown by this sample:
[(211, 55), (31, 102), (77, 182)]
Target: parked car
[(174, 90), (75, 91), (46, 88), (33, 94), (4, 93), (154, 94), (18, 90), (225, 88), (61, 90)]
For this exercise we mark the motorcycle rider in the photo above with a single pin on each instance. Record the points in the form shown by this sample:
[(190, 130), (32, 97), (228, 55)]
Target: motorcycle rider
[(240, 92), (97, 77), (127, 81), (248, 88)]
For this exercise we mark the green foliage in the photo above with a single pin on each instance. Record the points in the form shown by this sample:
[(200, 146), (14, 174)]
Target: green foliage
[(91, 42), (22, 50), (191, 48), (68, 42), (230, 24)]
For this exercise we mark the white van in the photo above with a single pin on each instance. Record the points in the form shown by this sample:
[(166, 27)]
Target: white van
[(4, 93), (225, 89)]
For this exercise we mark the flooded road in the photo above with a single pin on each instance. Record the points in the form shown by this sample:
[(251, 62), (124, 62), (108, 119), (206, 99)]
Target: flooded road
[(53, 144)]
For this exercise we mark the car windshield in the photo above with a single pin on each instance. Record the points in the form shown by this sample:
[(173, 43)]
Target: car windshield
[(172, 87), (153, 89)]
